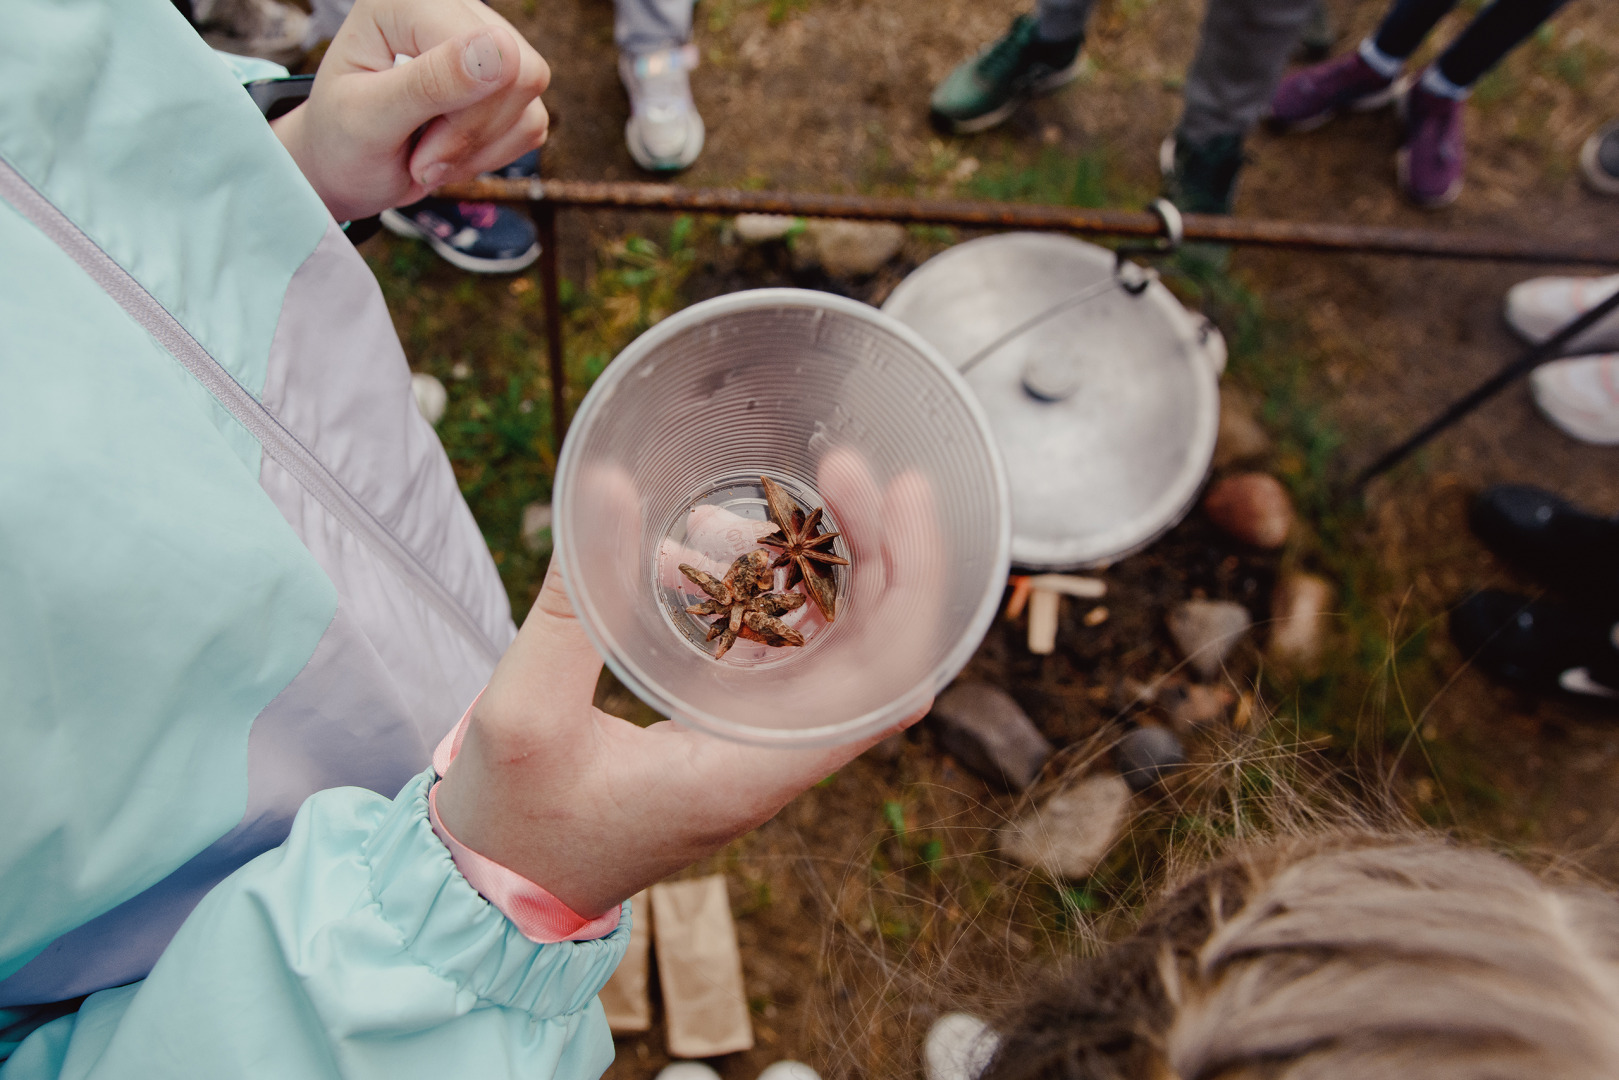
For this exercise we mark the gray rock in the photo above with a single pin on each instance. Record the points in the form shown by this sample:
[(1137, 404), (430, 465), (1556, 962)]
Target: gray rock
[(848, 248), (536, 528), (1068, 834), (1240, 438), (763, 228), (987, 732), (1148, 754), (1206, 631)]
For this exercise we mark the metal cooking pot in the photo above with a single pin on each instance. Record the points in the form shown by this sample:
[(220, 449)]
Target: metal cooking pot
[(1102, 390)]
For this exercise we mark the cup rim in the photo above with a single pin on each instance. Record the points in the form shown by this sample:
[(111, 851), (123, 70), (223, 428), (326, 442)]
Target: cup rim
[(627, 672)]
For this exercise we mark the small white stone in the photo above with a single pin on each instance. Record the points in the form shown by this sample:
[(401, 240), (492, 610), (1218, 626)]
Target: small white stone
[(536, 525), (957, 1047), (1298, 614), (763, 228), (431, 397)]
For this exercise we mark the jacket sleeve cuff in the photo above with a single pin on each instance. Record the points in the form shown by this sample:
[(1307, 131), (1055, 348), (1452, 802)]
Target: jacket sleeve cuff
[(456, 932), (536, 914)]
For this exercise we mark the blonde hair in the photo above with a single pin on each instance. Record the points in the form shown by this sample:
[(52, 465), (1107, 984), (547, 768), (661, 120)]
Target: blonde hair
[(1340, 958)]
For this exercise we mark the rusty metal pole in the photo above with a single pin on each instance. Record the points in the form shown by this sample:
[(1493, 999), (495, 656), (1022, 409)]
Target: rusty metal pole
[(545, 223), (1494, 245)]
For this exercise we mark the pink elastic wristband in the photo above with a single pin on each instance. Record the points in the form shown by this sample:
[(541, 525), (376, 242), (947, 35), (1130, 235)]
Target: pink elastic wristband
[(538, 915)]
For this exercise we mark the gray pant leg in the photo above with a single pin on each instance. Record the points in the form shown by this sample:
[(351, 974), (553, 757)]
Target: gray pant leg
[(1243, 50), (1062, 19), (641, 26)]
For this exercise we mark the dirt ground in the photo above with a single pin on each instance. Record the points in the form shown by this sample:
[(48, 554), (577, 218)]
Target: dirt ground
[(876, 901)]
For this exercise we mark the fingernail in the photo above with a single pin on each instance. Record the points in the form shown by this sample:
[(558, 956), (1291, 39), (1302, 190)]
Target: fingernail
[(433, 174), (482, 58)]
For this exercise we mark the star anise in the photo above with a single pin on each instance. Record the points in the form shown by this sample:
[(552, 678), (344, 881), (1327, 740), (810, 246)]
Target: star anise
[(745, 607), (801, 545)]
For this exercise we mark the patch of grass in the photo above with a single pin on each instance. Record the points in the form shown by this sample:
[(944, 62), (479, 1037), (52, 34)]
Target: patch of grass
[(1378, 673), (722, 13), (1055, 177), (1496, 85)]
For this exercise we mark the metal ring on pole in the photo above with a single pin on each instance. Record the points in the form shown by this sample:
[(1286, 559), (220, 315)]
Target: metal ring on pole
[(1134, 279), (1174, 224)]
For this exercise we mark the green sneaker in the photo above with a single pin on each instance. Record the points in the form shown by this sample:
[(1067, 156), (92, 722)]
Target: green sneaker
[(985, 90), (1201, 178)]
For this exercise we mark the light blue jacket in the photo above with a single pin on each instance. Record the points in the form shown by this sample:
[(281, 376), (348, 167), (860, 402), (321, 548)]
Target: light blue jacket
[(240, 600)]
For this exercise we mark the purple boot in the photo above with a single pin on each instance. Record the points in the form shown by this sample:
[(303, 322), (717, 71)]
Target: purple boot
[(1311, 96), (1433, 158)]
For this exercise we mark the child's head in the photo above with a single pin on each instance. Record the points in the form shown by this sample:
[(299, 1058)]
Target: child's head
[(1340, 959)]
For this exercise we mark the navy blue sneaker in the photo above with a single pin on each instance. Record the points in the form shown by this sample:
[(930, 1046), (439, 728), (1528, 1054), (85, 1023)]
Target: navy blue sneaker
[(522, 169), (482, 238)]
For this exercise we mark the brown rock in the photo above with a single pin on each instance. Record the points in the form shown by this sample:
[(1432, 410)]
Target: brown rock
[(1071, 831), (1193, 704), (1298, 622), (1251, 507)]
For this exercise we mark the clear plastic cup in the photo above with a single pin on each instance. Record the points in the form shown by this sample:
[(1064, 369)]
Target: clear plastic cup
[(847, 409)]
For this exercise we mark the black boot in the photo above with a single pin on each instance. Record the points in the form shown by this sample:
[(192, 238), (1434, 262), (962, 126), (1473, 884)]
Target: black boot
[(1553, 541), (1537, 644)]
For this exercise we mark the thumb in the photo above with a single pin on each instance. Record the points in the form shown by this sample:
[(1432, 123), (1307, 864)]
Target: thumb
[(551, 662), (446, 78)]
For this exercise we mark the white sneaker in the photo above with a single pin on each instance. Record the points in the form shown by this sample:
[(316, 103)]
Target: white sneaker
[(1581, 396), (664, 132), (789, 1070), (1540, 307)]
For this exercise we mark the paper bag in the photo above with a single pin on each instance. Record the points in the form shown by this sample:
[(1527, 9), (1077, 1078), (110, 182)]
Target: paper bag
[(629, 1009), (700, 969)]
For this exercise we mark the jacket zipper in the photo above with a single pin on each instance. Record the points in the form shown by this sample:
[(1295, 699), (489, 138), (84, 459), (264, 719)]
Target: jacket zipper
[(282, 446)]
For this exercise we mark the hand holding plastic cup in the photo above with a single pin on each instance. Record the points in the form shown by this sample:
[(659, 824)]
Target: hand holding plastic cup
[(849, 411)]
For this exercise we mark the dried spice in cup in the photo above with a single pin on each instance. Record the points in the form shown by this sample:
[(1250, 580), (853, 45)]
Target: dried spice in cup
[(801, 546), (743, 601), (744, 607)]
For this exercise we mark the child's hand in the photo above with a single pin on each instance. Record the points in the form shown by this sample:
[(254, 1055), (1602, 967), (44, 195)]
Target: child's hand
[(373, 135), (593, 808)]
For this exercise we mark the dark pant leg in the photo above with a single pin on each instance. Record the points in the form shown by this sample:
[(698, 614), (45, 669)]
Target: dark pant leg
[(1496, 31), (1241, 53), (1061, 20), (1407, 23)]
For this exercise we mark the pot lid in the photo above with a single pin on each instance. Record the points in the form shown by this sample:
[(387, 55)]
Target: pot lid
[(1105, 400)]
